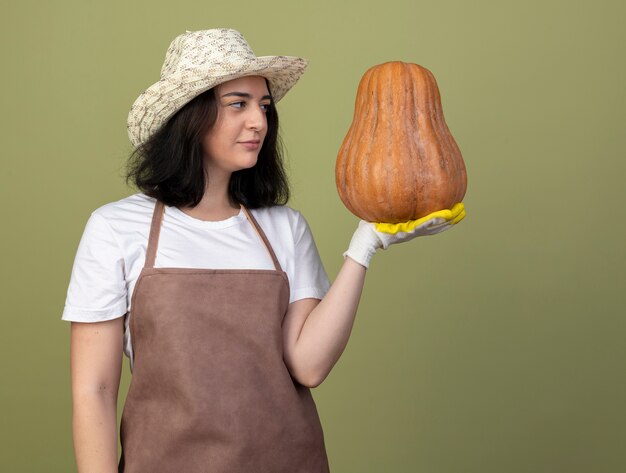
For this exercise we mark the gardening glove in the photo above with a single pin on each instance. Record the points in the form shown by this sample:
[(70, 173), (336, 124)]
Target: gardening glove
[(369, 237)]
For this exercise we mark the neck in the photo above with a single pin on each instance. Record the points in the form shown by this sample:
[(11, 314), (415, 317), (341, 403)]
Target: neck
[(215, 203)]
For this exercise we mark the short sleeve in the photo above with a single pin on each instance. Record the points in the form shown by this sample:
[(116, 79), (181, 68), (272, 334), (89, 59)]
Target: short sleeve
[(310, 278), (97, 289)]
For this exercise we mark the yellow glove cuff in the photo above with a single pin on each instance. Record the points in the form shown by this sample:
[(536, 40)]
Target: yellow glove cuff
[(453, 215)]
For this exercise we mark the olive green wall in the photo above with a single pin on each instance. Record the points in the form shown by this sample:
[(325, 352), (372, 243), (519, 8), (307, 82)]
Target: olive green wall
[(495, 347)]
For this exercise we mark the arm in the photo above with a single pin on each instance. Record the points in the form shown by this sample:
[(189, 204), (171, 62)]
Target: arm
[(316, 332), (96, 362)]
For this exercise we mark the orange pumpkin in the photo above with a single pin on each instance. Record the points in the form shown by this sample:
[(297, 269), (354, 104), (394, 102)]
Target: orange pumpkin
[(399, 161)]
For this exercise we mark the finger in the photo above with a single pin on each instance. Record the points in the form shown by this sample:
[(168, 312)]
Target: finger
[(458, 218), (440, 228), (456, 214), (457, 208), (447, 214)]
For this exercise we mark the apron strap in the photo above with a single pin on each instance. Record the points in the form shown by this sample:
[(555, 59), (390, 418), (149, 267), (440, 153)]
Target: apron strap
[(261, 233), (153, 240)]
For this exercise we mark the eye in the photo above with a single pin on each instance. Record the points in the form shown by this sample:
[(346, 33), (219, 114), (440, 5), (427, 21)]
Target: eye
[(237, 104), (266, 106)]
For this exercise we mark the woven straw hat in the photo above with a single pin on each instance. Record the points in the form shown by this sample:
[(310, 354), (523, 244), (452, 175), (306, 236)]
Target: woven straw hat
[(197, 61)]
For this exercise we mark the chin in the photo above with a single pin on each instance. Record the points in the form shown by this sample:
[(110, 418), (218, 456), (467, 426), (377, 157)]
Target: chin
[(248, 164)]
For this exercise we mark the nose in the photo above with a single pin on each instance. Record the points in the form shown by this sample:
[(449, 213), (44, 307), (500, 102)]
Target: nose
[(257, 120)]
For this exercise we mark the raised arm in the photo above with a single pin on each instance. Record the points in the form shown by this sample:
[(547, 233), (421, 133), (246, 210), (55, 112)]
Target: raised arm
[(315, 332), (96, 364)]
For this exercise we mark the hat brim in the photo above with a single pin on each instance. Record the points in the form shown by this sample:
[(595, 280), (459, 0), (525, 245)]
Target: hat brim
[(164, 98)]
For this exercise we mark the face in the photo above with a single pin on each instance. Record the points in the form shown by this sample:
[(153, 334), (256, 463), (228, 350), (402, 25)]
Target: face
[(236, 138)]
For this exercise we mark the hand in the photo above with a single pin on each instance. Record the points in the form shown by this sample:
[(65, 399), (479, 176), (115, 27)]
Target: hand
[(369, 237)]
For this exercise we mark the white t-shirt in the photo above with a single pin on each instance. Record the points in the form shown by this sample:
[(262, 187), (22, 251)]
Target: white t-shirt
[(112, 252)]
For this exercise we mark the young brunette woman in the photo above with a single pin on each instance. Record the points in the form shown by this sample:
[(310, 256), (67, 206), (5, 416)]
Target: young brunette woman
[(208, 282)]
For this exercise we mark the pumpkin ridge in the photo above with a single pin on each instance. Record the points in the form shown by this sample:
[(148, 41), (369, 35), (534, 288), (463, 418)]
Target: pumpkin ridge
[(439, 165), (393, 162), (421, 139), (345, 165), (443, 136), (415, 147), (397, 192), (446, 169), (359, 154), (383, 139), (456, 168), (366, 144), (352, 156)]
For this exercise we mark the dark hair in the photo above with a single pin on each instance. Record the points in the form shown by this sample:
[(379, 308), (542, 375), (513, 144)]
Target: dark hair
[(169, 166)]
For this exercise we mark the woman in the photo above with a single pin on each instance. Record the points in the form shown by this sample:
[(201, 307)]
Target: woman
[(212, 287)]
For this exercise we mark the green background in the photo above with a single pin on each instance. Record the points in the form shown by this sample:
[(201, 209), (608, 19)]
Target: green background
[(495, 347)]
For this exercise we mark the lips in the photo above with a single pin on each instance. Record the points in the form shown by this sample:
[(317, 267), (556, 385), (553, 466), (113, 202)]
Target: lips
[(254, 144)]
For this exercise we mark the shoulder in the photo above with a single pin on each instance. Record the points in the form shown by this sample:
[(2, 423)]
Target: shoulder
[(282, 213), (131, 207), (280, 218), (122, 221)]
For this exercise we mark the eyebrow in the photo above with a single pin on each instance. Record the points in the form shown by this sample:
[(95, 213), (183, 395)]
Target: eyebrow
[(244, 95)]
